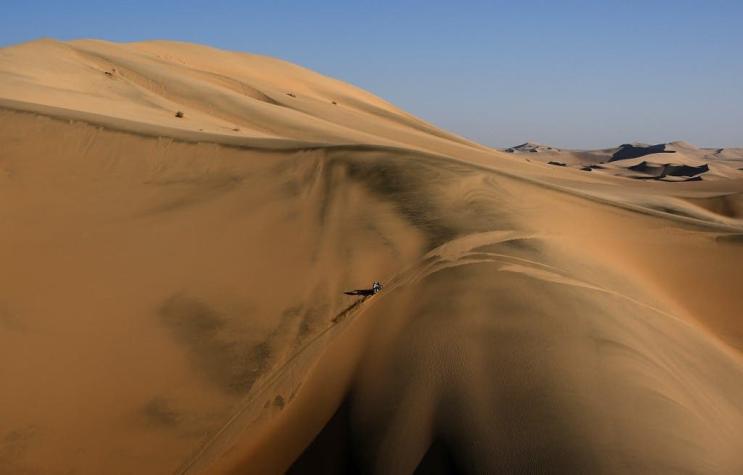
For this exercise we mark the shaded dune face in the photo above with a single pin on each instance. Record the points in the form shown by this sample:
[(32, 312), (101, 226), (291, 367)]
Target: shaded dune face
[(504, 348), (174, 303), (483, 377), (494, 361)]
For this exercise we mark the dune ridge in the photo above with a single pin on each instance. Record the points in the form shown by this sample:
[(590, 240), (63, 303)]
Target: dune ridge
[(173, 300)]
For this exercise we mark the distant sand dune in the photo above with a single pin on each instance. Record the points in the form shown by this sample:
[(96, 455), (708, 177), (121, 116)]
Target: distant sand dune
[(172, 295), (673, 162)]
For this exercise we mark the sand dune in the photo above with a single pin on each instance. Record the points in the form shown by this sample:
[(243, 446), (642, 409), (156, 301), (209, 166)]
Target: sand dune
[(172, 295), (531, 147), (673, 161)]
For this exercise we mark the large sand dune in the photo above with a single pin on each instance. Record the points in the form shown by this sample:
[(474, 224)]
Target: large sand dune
[(172, 290)]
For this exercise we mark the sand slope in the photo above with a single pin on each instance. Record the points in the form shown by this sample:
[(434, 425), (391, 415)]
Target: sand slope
[(172, 300)]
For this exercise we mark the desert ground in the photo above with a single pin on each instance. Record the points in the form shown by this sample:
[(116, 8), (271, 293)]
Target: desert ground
[(178, 225)]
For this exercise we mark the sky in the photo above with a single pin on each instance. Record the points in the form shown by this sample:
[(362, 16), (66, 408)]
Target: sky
[(573, 74)]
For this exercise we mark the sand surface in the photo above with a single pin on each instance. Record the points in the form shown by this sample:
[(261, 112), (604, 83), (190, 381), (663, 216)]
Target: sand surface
[(171, 299)]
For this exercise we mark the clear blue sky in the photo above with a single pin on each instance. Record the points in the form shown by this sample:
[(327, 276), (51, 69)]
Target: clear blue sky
[(567, 73)]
